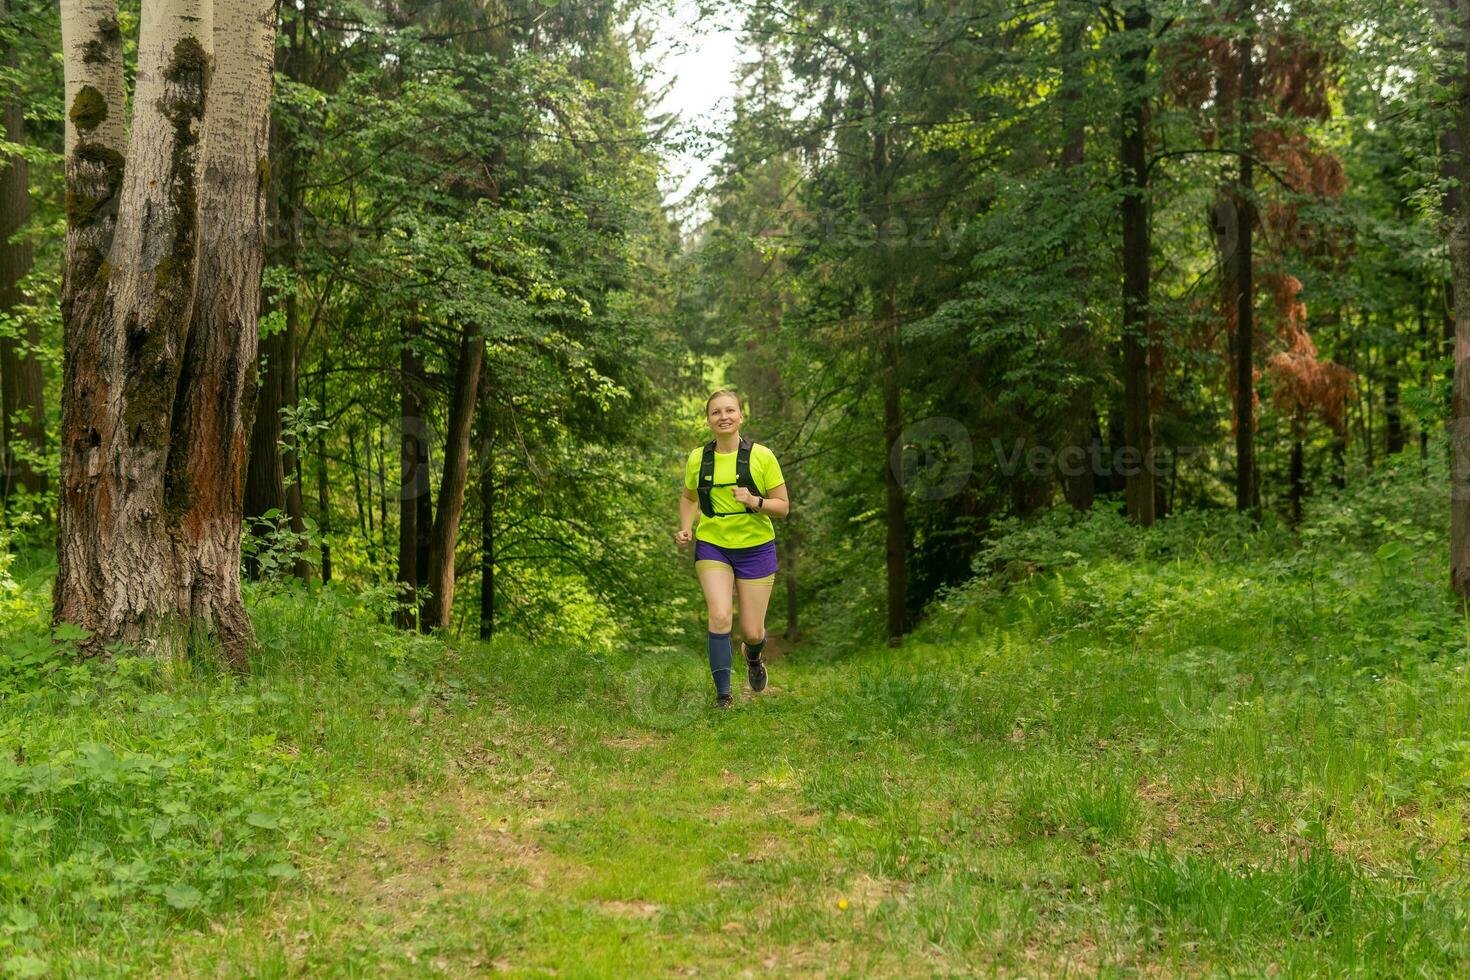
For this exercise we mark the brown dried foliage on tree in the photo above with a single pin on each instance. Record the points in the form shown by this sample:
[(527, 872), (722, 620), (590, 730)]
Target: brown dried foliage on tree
[(1305, 386), (1203, 74)]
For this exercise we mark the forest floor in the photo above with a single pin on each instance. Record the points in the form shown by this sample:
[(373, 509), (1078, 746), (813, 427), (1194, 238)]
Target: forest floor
[(1156, 766)]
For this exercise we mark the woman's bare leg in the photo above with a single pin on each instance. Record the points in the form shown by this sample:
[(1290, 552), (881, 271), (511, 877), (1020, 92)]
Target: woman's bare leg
[(755, 597), (718, 582)]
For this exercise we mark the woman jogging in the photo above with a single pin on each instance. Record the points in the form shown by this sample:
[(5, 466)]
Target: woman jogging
[(735, 487)]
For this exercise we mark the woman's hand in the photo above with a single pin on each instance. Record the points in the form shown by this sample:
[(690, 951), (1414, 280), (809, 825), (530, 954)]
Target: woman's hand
[(684, 537), (745, 498)]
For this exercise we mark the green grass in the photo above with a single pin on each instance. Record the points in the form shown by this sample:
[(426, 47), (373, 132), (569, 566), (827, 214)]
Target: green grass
[(1247, 762)]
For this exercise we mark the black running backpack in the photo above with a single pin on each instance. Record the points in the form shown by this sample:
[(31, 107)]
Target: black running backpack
[(707, 478)]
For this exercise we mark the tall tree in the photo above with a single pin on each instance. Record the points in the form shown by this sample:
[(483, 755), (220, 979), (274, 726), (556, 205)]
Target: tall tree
[(1245, 322), (1137, 244), (1077, 477), (415, 514), (450, 507), (1457, 41), (273, 474), (165, 244), (22, 394)]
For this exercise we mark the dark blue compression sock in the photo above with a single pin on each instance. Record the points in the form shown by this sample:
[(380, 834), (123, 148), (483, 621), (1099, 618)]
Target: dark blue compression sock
[(720, 657)]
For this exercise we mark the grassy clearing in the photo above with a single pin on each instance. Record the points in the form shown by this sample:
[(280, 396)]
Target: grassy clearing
[(1245, 759)]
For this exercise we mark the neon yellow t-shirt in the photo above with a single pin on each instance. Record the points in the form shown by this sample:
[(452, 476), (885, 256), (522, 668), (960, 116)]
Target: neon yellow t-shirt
[(738, 530)]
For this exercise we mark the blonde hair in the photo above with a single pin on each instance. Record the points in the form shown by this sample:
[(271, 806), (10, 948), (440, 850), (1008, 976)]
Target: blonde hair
[(739, 402)]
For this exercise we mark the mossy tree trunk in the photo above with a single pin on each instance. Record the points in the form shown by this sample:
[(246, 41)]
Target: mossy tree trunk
[(160, 305)]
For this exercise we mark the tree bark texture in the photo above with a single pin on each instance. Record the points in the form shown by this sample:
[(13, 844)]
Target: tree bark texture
[(896, 506), (487, 537), (265, 479), (456, 472), (1458, 30), (160, 306), (273, 479), (22, 393), (1077, 481), (413, 476), (1137, 387), (1245, 322)]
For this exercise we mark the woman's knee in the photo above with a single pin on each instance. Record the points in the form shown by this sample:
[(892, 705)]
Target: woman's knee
[(720, 622)]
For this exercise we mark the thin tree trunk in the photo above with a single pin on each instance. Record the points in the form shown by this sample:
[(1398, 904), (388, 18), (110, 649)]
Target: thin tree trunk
[(22, 393), (1426, 351), (272, 475), (1077, 477), (456, 471), (290, 459), (414, 475), (1393, 420), (1245, 325), (380, 440), (896, 546), (265, 481), (323, 496), (788, 544), (160, 304), (487, 532), (1137, 387), (1452, 175), (425, 536), (1297, 479), (364, 514), (486, 405), (1459, 249)]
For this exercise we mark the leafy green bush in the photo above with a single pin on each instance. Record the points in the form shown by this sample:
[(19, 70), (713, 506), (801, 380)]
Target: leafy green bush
[(123, 796)]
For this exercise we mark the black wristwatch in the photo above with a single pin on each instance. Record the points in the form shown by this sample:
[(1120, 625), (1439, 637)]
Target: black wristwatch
[(762, 504)]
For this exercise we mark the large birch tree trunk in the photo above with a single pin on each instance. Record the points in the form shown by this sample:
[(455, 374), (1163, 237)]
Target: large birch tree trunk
[(160, 307)]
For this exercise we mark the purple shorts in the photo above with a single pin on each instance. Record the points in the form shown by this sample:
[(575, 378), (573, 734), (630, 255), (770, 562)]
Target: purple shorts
[(757, 562)]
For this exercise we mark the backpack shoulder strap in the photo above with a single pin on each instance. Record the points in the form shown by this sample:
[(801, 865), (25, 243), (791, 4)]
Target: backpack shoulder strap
[(743, 475), (707, 480)]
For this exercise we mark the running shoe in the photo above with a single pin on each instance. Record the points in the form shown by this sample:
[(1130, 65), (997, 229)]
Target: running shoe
[(723, 701), (755, 670)]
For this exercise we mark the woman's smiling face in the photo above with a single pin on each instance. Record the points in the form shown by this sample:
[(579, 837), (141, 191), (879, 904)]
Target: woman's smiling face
[(724, 414)]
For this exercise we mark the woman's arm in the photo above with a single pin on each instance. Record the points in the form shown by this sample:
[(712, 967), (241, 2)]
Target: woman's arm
[(774, 504), (688, 508)]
